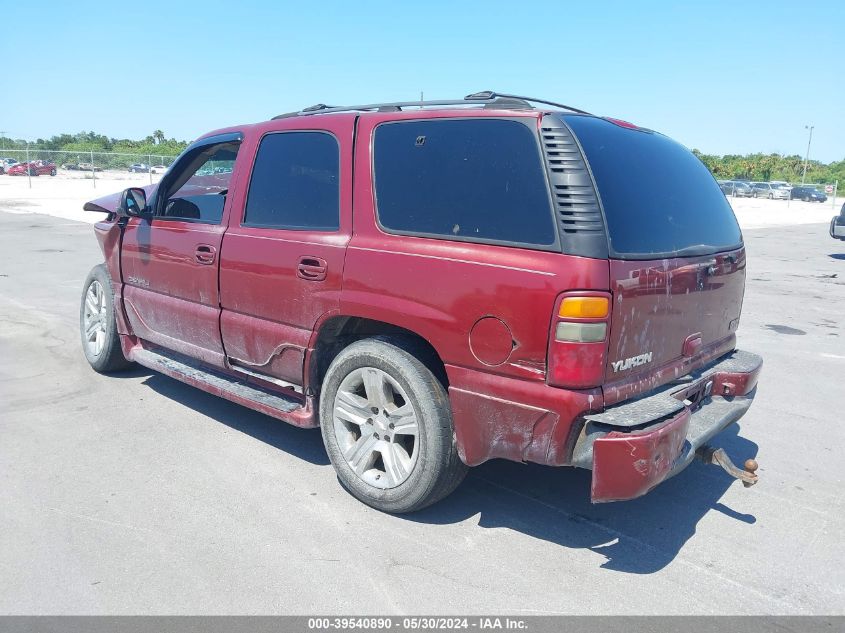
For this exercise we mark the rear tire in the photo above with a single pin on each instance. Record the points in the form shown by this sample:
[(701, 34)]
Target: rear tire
[(53, 171), (387, 426), (97, 324)]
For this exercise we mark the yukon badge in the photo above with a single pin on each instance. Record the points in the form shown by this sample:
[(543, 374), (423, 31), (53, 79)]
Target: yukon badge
[(634, 361)]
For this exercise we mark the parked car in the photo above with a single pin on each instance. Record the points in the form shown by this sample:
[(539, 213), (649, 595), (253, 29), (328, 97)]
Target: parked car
[(84, 167), (5, 163), (782, 184), (807, 194), (33, 168), (767, 190), (138, 168), (726, 186), (837, 225), (741, 189), (483, 307)]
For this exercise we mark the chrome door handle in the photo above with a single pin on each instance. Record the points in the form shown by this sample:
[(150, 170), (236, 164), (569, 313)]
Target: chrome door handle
[(205, 254), (312, 268)]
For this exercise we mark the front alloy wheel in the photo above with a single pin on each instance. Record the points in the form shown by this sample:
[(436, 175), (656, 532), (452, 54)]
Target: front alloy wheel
[(94, 318), (97, 324)]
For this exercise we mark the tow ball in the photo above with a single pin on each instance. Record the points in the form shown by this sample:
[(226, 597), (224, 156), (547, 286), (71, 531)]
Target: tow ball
[(718, 457)]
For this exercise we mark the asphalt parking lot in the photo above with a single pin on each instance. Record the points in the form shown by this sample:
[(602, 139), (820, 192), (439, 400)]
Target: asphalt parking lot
[(136, 494)]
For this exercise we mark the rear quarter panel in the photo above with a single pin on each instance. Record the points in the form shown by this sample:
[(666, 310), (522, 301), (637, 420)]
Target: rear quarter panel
[(442, 290)]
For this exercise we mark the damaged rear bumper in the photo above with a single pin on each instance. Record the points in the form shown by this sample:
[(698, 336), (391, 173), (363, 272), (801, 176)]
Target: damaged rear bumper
[(633, 446)]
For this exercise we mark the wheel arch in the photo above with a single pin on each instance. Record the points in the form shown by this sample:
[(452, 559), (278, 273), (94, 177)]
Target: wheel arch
[(335, 332)]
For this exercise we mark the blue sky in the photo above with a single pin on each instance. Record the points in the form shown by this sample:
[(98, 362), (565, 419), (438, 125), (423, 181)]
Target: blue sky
[(724, 77)]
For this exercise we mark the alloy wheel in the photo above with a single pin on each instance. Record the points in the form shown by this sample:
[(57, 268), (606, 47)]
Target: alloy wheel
[(376, 427), (94, 318)]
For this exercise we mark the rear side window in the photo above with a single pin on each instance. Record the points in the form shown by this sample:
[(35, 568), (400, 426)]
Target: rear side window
[(658, 198), (468, 179), (295, 183)]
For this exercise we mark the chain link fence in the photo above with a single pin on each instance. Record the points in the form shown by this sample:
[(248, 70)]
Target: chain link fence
[(85, 165)]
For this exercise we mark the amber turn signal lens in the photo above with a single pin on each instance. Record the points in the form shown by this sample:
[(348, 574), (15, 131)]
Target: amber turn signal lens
[(584, 307)]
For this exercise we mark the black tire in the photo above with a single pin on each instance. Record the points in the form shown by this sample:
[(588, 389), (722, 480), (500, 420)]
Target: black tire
[(110, 358), (438, 469), (771, 197), (53, 171), (806, 198)]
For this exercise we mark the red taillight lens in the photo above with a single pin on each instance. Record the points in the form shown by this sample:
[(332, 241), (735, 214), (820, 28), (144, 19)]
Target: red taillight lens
[(578, 340)]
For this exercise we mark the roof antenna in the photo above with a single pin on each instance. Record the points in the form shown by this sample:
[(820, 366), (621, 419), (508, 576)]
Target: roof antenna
[(421, 99)]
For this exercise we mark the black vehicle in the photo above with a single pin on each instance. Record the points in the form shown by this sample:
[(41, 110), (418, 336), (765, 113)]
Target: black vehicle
[(808, 194)]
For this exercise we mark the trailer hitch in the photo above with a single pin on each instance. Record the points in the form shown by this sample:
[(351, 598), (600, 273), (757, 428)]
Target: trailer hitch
[(718, 457)]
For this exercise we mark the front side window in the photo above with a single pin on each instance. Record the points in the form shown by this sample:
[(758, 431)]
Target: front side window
[(295, 183), (197, 192), (464, 179)]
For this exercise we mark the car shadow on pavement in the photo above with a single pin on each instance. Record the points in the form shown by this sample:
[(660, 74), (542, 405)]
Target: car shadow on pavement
[(305, 444), (641, 536), (553, 504)]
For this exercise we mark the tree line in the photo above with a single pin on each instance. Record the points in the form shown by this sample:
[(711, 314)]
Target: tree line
[(84, 142), (762, 167), (767, 167)]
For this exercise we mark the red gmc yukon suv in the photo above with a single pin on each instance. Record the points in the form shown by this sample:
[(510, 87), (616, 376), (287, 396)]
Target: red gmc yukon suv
[(438, 284)]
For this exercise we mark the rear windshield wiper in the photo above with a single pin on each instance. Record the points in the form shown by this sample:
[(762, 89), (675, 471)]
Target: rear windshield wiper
[(702, 249)]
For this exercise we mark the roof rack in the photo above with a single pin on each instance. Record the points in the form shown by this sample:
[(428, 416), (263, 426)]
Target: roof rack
[(487, 98)]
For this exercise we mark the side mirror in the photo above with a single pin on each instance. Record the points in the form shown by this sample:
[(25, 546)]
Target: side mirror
[(133, 203)]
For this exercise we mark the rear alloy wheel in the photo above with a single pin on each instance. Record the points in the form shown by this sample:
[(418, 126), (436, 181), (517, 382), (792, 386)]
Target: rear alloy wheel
[(387, 426), (53, 171), (97, 325), (806, 198), (771, 197)]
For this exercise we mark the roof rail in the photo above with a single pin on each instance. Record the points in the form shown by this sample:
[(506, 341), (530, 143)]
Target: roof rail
[(488, 98)]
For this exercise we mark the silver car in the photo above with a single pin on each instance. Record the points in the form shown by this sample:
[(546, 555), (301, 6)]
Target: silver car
[(837, 225), (767, 190)]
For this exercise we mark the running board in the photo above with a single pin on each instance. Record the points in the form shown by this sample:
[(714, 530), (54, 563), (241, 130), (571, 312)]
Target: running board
[(292, 408)]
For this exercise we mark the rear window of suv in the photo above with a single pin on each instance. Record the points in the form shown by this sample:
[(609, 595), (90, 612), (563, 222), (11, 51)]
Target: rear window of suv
[(658, 198), (478, 180)]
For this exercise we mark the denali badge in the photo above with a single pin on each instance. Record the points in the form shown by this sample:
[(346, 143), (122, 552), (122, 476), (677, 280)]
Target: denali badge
[(138, 281), (634, 361)]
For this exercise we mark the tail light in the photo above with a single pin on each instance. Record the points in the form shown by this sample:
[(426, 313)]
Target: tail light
[(578, 340)]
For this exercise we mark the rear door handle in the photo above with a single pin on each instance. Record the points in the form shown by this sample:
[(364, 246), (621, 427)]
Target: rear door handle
[(311, 268), (205, 254)]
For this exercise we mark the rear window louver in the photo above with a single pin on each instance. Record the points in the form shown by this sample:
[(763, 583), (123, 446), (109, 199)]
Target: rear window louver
[(576, 204)]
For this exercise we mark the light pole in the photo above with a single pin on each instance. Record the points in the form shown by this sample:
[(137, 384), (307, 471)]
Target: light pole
[(807, 156)]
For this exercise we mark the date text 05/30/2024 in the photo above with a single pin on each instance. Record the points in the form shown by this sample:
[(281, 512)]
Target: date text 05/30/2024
[(481, 623)]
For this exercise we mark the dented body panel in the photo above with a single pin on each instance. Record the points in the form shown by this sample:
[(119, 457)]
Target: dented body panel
[(634, 446)]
